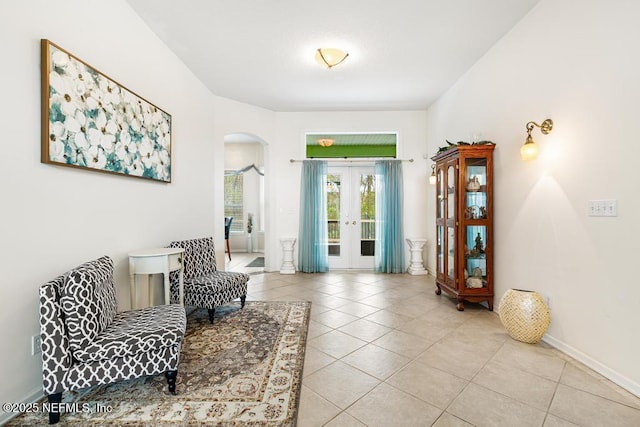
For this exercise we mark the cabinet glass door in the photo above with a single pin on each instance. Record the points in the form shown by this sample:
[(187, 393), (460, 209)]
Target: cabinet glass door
[(451, 218), (476, 189), (451, 191), (475, 256), (441, 195), (440, 249), (440, 218), (475, 230)]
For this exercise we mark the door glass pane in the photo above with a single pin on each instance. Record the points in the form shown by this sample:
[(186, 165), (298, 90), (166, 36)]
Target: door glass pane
[(476, 189), (451, 247), (333, 214), (367, 214), (451, 191), (440, 250), (441, 194), (475, 256)]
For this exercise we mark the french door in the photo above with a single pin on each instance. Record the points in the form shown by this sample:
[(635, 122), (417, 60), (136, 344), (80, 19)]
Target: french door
[(351, 213)]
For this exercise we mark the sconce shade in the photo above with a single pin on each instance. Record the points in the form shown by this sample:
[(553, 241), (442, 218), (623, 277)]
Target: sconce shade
[(330, 57), (529, 151), (432, 178), (325, 142)]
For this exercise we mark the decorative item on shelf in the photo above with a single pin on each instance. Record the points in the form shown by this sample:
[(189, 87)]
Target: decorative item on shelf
[(473, 184), (475, 212), (330, 56), (451, 145), (478, 250), (470, 212), (475, 281), (432, 178), (524, 315), (249, 223), (529, 151)]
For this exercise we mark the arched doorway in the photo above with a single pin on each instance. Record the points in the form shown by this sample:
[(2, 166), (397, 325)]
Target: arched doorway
[(245, 183)]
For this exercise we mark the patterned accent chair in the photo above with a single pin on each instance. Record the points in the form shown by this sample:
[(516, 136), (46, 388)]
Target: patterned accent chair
[(204, 285), (85, 342)]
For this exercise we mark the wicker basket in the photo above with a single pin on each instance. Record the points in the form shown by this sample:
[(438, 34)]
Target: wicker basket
[(524, 315)]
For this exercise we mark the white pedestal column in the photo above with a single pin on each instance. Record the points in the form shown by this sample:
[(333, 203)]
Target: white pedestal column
[(287, 255), (416, 266)]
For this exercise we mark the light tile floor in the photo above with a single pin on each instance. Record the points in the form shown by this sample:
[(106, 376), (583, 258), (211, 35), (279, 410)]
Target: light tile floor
[(384, 350)]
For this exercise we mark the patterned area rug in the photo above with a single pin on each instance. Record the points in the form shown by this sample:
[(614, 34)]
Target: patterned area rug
[(245, 369)]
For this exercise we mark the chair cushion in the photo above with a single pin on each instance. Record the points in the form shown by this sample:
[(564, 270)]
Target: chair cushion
[(217, 282), (136, 332), (199, 256), (211, 290), (88, 301)]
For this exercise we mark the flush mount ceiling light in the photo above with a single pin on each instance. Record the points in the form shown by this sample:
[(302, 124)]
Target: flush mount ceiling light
[(325, 142), (529, 151), (330, 56)]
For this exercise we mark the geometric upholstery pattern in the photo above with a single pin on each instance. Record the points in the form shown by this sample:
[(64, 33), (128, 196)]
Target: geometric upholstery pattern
[(204, 286), (131, 344), (88, 301)]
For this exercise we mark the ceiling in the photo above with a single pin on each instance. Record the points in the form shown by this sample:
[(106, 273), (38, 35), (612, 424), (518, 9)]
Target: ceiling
[(403, 54)]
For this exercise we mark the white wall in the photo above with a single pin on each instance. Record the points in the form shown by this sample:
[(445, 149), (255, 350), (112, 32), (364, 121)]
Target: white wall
[(54, 218), (291, 129), (577, 63)]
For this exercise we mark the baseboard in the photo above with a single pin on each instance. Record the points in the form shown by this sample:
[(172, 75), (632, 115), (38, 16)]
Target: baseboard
[(624, 382), (33, 397)]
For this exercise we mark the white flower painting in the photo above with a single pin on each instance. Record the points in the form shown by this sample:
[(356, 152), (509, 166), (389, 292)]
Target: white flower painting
[(93, 122)]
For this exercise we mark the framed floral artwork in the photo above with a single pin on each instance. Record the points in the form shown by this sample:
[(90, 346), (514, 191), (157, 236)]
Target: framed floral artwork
[(92, 122)]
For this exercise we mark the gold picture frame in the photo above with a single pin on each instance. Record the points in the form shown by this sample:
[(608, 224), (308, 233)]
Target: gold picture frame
[(90, 121)]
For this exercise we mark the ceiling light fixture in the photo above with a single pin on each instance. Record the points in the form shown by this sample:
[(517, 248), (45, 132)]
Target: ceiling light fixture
[(330, 56), (529, 151), (326, 142)]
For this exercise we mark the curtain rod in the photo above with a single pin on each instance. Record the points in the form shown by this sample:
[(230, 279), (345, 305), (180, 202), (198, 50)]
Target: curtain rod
[(360, 160)]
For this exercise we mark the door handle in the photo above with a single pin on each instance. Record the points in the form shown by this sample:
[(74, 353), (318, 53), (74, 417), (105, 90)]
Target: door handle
[(354, 223)]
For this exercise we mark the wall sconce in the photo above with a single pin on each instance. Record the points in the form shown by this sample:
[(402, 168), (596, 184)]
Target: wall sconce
[(330, 57), (529, 151), (325, 142), (432, 178)]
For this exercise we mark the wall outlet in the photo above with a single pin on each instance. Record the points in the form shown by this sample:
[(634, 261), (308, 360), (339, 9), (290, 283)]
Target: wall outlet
[(36, 345)]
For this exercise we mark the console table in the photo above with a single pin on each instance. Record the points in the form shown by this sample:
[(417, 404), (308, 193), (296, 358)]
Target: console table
[(154, 261)]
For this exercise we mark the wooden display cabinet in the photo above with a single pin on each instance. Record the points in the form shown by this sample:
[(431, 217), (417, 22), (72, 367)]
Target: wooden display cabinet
[(464, 223)]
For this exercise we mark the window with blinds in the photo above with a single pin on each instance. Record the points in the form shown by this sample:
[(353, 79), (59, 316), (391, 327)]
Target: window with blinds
[(233, 201)]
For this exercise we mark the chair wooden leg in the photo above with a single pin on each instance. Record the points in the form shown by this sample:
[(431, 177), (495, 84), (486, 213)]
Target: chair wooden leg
[(212, 311), (56, 398), (242, 299), (228, 250), (171, 380)]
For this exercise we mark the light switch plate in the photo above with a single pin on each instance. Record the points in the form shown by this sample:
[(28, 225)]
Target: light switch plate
[(603, 207)]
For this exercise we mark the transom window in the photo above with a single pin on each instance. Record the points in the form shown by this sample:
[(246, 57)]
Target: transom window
[(346, 145)]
